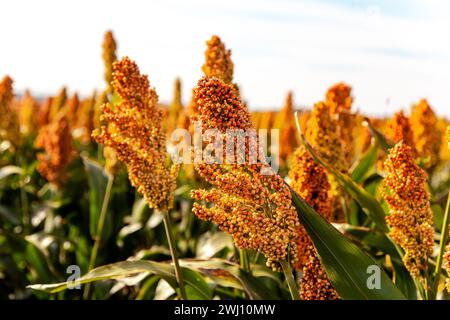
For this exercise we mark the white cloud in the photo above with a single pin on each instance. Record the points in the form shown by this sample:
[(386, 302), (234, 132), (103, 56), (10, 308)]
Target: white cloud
[(277, 46)]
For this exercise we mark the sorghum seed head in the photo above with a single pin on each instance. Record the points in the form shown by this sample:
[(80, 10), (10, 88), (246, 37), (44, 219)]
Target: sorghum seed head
[(255, 208), (56, 141), (133, 129), (427, 138), (410, 216), (218, 61)]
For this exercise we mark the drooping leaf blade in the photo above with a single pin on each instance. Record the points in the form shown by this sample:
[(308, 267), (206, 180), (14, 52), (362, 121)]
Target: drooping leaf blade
[(345, 263), (368, 203)]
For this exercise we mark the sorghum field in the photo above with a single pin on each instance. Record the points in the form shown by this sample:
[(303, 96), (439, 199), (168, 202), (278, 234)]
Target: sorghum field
[(94, 204)]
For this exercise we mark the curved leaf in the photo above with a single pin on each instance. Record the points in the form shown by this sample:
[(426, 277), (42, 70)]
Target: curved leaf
[(123, 269), (381, 140), (97, 179), (361, 171), (345, 263), (368, 203), (226, 273), (9, 170)]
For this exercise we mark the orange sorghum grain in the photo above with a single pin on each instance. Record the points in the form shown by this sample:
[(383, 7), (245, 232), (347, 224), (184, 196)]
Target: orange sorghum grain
[(285, 123), (56, 141), (255, 208), (447, 251), (109, 47), (339, 99), (310, 181), (71, 108), (315, 284), (84, 122), (447, 266), (322, 133), (398, 129), (43, 116), (426, 135), (176, 109), (218, 61), (28, 108), (133, 128), (57, 104), (410, 216), (9, 120)]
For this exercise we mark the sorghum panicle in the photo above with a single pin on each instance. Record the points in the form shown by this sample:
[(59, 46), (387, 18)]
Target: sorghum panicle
[(447, 266), (427, 137), (255, 208), (310, 181), (71, 109), (133, 129), (84, 122), (285, 123), (398, 129), (315, 284), (28, 108), (9, 120), (109, 47), (322, 133), (447, 251), (176, 112), (218, 61), (57, 104), (43, 116), (339, 99), (56, 141), (410, 216)]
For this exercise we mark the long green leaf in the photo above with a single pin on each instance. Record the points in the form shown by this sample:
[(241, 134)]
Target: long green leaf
[(368, 203), (97, 179), (345, 263), (367, 161), (127, 268), (226, 273), (381, 140)]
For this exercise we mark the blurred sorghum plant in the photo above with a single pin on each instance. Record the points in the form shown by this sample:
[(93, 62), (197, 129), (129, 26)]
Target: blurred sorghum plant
[(399, 129), (322, 133), (57, 104), (447, 249), (310, 181), (426, 135), (285, 123), (9, 120), (56, 141), (28, 107), (339, 99), (410, 216), (253, 206), (218, 61), (133, 129), (109, 47)]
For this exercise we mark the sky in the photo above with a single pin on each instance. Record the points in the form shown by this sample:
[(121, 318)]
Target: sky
[(392, 53)]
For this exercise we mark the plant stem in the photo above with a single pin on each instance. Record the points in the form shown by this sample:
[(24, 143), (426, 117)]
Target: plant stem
[(295, 294), (173, 253), (244, 260), (442, 244), (26, 221), (99, 233)]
